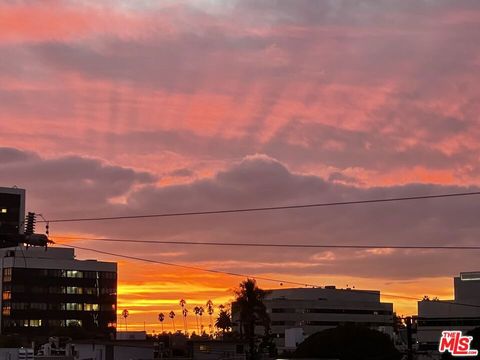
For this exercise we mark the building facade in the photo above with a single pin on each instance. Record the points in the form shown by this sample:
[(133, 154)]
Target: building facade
[(12, 210), (461, 313), (302, 312), (47, 291)]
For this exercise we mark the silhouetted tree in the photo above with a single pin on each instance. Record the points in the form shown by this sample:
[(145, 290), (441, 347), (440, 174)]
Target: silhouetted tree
[(252, 310), (161, 318), (210, 311), (196, 311), (185, 314), (397, 323), (224, 321), (171, 315), (349, 342), (125, 314), (183, 304)]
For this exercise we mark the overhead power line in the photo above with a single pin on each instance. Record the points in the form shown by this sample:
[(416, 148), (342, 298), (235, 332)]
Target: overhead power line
[(187, 266), (195, 268), (268, 208), (299, 246)]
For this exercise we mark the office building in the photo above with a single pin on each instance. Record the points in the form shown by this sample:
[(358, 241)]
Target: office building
[(461, 313), (300, 312), (44, 291), (12, 210)]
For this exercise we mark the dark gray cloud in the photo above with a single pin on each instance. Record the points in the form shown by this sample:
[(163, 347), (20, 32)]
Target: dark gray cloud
[(69, 184), (261, 181), (10, 155)]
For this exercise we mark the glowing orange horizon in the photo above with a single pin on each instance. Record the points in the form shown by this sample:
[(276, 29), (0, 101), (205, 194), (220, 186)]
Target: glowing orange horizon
[(146, 299)]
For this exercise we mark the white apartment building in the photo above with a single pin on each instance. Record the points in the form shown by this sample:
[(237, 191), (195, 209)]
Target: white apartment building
[(461, 313), (298, 313)]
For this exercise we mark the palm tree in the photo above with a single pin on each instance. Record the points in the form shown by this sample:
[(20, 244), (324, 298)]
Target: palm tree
[(224, 321), (125, 314), (185, 313), (195, 311), (198, 310), (161, 317), (171, 315), (200, 313), (210, 311), (183, 304), (252, 310)]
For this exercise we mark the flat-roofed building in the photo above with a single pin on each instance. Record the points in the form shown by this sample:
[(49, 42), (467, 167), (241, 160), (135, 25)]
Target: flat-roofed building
[(12, 210), (317, 309), (461, 313), (44, 291)]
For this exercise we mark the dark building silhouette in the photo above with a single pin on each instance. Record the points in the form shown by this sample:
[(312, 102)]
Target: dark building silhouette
[(12, 210), (46, 290)]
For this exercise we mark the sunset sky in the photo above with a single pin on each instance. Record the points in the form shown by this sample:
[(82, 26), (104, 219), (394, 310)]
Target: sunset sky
[(120, 107)]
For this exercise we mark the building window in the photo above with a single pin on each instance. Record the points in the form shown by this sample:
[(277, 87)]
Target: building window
[(57, 289), (90, 274), (16, 323), (107, 307), (108, 291), (74, 290), (73, 322), (108, 275), (6, 310), (7, 274), (19, 306), (35, 323), (56, 323), (73, 307), (38, 306), (91, 307), (7, 295), (56, 273), (90, 291), (38, 290), (74, 274), (204, 348), (4, 211), (56, 307)]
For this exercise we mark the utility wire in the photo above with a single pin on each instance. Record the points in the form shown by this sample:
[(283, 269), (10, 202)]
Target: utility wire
[(300, 246), (268, 208), (186, 266), (247, 276)]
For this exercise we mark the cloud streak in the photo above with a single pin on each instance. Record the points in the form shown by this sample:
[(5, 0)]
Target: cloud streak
[(166, 107)]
